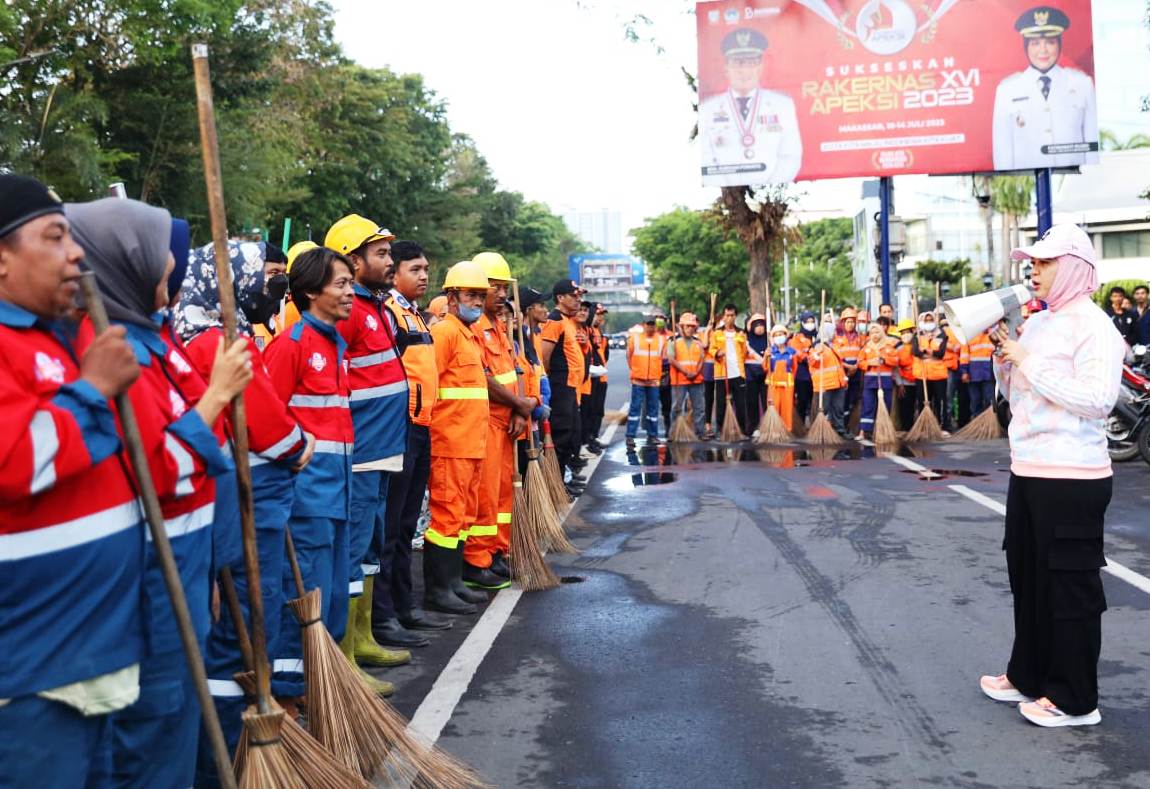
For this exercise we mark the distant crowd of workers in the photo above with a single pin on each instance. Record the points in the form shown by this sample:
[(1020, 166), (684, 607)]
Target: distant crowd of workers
[(359, 403), (836, 365)]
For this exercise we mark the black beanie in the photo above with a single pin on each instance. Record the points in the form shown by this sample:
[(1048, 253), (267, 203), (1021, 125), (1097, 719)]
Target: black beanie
[(23, 199)]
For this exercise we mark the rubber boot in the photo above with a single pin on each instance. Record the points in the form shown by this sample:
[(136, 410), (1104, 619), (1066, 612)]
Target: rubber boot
[(462, 590), (348, 644), (437, 592), (367, 652), (483, 578)]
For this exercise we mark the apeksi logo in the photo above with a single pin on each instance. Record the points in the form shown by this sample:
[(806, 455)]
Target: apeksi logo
[(886, 26)]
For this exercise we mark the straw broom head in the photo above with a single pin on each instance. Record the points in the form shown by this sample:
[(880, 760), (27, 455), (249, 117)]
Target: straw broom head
[(823, 432), (551, 532), (528, 567), (553, 477), (267, 764), (772, 428), (731, 432), (984, 427), (884, 432), (682, 430), (926, 427)]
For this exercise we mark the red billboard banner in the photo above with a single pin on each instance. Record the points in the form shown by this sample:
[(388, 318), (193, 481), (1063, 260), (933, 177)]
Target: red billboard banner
[(806, 89)]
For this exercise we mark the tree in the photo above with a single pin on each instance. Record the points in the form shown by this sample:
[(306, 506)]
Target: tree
[(689, 255), (1110, 142), (1011, 196)]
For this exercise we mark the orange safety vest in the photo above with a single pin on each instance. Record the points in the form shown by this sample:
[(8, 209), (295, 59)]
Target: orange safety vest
[(690, 355), (802, 345), (602, 345), (956, 353), (562, 332), (827, 372), (645, 357), (462, 405), (933, 369), (285, 320), (418, 357), (498, 362), (848, 346), (719, 343), (878, 360), (981, 348), (909, 367)]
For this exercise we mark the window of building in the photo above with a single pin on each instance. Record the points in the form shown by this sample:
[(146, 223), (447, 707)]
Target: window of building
[(938, 245), (1126, 244)]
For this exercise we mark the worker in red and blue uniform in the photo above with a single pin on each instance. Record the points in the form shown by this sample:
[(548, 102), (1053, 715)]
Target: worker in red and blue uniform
[(71, 651), (277, 448), (127, 245), (978, 373), (379, 416), (309, 369)]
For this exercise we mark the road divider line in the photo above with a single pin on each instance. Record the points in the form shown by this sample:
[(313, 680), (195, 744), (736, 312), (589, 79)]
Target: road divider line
[(439, 704), (907, 463), (1116, 569)]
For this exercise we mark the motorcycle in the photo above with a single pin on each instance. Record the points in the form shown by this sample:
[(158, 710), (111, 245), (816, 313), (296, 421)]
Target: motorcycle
[(1128, 426)]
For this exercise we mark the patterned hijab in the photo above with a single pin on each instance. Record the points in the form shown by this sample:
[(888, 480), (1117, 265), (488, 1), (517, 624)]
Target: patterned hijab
[(199, 306)]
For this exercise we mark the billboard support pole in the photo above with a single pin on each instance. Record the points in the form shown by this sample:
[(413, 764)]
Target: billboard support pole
[(1043, 199), (885, 187), (786, 282)]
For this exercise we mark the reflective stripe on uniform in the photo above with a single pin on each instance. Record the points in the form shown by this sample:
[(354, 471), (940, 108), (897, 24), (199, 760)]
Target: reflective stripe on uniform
[(435, 538), (224, 689), (317, 401), (463, 393), (483, 530), (503, 517), (333, 448), (284, 444), (371, 359), (185, 466), (505, 378), (288, 666), (70, 534), (45, 445), (374, 392), (183, 525)]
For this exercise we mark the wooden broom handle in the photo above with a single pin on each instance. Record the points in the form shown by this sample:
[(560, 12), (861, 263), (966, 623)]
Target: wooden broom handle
[(228, 585), (162, 547), (522, 344), (214, 183)]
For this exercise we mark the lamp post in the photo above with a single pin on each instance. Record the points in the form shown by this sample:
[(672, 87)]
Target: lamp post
[(987, 281)]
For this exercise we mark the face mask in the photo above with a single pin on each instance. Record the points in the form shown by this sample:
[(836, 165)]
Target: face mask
[(809, 325), (469, 315), (258, 307), (927, 326), (277, 287), (779, 340), (863, 328)]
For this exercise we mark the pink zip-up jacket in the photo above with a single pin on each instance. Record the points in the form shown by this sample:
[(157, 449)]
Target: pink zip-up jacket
[(1062, 392)]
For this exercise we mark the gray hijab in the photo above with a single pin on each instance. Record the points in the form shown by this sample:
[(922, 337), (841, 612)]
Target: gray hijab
[(126, 244)]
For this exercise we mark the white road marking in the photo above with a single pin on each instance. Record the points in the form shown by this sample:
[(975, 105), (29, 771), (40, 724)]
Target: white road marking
[(1119, 571), (906, 463), (438, 706)]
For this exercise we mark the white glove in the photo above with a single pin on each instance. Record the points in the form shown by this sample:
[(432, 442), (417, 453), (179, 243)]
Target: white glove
[(597, 370)]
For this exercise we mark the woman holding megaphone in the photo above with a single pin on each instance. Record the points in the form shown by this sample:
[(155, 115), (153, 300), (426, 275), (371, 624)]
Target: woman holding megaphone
[(1061, 377)]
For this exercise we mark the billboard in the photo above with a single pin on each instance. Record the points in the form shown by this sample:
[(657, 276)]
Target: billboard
[(606, 273), (805, 89)]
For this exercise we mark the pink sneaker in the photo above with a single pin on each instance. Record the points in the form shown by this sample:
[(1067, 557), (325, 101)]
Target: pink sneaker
[(1000, 689), (1043, 712)]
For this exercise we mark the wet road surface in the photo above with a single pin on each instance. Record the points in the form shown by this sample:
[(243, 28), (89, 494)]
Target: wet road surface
[(789, 618)]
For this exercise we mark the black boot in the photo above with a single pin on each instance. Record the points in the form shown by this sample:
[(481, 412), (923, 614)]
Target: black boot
[(483, 578), (462, 590), (438, 570), (391, 633), (418, 619), (499, 566)]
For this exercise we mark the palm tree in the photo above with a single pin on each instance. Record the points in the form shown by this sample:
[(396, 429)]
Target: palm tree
[(1110, 142)]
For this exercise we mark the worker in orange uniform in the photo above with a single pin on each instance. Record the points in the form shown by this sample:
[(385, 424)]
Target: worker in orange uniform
[(645, 351), (877, 362), (458, 442), (908, 390), (729, 347), (929, 346), (978, 373), (801, 341), (489, 536), (685, 356), (566, 367), (848, 344), (592, 417), (957, 359), (828, 378), (781, 363)]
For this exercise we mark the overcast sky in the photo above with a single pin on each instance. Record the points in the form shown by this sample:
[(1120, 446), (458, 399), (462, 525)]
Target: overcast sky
[(569, 113)]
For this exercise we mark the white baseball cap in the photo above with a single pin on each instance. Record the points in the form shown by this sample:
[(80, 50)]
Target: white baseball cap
[(1059, 240)]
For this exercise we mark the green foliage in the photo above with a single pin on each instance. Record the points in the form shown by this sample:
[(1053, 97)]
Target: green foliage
[(104, 92), (1012, 194), (821, 262), (950, 271), (1110, 141), (689, 255)]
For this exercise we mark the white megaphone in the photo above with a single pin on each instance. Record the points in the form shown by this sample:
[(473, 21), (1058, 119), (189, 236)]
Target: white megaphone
[(973, 315)]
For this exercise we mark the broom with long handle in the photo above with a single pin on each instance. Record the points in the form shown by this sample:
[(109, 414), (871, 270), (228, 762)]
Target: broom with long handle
[(316, 767), (821, 430), (539, 498), (163, 548), (681, 429), (730, 432), (772, 428), (267, 764), (926, 427), (710, 420)]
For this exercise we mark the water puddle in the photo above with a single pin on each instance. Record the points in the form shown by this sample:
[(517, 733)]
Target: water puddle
[(936, 474)]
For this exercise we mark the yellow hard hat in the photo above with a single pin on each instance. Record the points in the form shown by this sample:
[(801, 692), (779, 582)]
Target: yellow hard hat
[(297, 249), (438, 306), (495, 265), (905, 325), (352, 232), (465, 275)]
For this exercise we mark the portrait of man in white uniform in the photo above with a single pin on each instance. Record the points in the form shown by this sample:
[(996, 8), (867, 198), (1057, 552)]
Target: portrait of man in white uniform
[(749, 135), (1044, 116)]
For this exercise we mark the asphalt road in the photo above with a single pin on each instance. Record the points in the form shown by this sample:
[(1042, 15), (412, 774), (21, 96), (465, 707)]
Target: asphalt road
[(789, 619)]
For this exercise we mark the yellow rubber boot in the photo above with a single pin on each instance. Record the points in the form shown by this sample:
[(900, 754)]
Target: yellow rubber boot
[(367, 652), (348, 645)]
